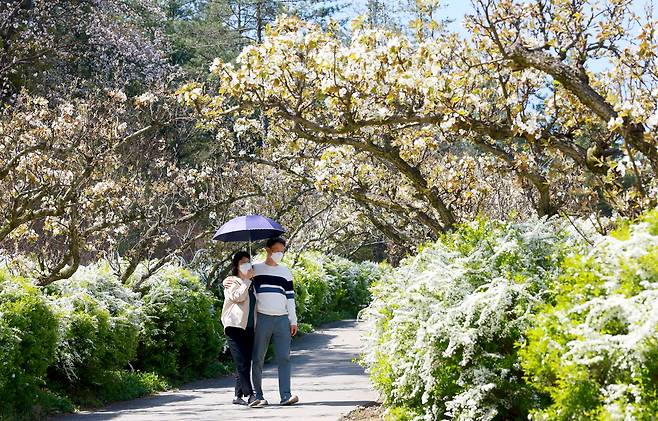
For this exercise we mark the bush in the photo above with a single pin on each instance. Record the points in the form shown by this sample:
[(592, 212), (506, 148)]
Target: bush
[(28, 337), (444, 325), (594, 348), (311, 288), (350, 285), (100, 326), (182, 332), (329, 288)]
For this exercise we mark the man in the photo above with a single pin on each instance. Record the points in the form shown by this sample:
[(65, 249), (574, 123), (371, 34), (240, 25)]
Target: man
[(277, 320)]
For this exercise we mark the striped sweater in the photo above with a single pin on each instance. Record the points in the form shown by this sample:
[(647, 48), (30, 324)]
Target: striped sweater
[(275, 295)]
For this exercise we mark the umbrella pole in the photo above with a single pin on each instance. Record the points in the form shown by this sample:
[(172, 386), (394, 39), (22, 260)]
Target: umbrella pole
[(250, 256)]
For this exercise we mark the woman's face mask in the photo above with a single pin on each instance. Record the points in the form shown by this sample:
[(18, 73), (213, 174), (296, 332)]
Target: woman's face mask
[(244, 267), (277, 257)]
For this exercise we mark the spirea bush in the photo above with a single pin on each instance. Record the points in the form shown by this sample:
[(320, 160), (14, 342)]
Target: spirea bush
[(445, 324), (100, 324), (350, 284), (594, 348), (311, 288), (329, 288), (183, 337), (28, 338)]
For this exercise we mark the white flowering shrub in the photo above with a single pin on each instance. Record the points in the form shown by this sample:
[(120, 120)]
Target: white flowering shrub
[(443, 327), (329, 287), (100, 324), (593, 349)]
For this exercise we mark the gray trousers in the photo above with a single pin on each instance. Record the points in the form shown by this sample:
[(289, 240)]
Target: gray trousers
[(278, 329)]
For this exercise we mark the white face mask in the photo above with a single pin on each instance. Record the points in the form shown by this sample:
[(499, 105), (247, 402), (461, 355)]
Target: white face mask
[(277, 257), (244, 268)]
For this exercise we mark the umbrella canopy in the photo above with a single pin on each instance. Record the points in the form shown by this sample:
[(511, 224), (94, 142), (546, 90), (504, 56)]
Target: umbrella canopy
[(249, 228)]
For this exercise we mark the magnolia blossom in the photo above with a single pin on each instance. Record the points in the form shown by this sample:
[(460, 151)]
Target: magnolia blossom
[(145, 99), (117, 95)]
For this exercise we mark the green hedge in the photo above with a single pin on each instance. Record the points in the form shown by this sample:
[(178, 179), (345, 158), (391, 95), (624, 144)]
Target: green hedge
[(329, 288), (99, 322), (182, 331), (28, 338)]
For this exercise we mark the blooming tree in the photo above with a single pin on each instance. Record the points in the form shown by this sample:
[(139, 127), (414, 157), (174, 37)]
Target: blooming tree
[(519, 96), (95, 176), (315, 219), (101, 177), (47, 44)]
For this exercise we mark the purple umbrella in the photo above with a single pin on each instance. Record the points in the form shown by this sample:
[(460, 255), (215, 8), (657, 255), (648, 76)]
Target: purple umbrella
[(249, 228)]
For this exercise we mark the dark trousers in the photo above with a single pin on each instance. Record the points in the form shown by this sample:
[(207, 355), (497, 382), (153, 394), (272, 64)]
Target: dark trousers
[(241, 345)]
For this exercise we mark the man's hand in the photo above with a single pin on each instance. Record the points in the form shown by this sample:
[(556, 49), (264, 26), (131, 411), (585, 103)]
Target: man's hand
[(293, 330), (227, 282)]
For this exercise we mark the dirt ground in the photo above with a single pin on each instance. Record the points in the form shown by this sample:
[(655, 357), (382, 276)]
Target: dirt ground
[(368, 413)]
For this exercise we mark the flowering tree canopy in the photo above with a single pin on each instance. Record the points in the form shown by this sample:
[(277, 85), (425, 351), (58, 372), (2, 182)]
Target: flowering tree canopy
[(431, 124), (83, 177), (98, 160), (47, 44), (102, 176)]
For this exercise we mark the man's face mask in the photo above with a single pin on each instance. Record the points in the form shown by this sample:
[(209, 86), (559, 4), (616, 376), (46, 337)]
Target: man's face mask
[(277, 257)]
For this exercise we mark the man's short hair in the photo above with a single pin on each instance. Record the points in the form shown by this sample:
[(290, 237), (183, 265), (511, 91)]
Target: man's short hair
[(273, 241)]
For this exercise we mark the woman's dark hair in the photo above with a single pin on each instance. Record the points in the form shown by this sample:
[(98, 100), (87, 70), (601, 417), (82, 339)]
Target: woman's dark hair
[(236, 261), (273, 241)]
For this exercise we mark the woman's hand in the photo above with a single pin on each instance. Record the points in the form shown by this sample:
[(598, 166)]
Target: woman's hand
[(251, 273)]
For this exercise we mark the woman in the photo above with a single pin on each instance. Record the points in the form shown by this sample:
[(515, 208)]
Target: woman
[(239, 319)]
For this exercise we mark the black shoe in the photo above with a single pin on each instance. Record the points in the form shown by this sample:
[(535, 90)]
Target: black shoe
[(251, 400), (239, 401)]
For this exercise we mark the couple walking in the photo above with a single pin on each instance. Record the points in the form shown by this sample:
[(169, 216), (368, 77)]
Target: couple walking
[(259, 305)]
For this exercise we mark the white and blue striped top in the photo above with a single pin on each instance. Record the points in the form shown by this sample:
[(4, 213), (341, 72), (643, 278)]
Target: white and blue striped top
[(275, 294)]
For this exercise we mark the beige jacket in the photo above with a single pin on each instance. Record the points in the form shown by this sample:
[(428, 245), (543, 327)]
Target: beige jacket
[(236, 303)]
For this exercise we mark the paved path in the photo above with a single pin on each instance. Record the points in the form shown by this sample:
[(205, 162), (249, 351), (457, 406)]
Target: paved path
[(328, 383)]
